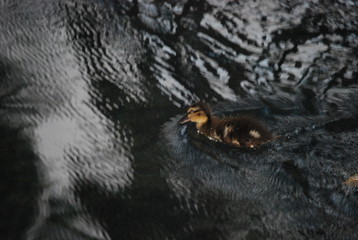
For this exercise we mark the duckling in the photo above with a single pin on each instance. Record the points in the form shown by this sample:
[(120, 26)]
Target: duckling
[(237, 131)]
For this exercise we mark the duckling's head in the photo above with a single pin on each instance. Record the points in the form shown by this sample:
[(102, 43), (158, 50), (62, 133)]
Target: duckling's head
[(199, 113)]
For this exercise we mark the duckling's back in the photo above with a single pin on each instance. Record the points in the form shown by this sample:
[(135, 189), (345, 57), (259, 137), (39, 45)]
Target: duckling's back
[(243, 131)]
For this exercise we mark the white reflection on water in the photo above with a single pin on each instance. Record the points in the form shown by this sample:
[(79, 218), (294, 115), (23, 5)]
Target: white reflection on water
[(76, 145), (77, 148), (217, 77)]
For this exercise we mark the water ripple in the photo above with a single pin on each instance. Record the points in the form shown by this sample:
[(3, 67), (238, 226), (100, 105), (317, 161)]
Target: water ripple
[(86, 86)]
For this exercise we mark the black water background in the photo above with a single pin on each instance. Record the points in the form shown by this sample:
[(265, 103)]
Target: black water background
[(91, 92)]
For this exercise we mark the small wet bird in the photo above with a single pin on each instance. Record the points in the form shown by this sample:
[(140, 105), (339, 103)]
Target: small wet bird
[(238, 131)]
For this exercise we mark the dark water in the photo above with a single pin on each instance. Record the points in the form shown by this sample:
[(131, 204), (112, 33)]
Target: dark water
[(90, 95)]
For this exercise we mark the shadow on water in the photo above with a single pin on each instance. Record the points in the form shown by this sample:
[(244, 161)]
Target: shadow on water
[(19, 183), (90, 95)]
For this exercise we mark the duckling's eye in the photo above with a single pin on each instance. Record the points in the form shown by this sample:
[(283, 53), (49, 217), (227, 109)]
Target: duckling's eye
[(191, 111)]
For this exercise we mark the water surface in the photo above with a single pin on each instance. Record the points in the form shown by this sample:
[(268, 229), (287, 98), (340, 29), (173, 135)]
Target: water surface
[(90, 96)]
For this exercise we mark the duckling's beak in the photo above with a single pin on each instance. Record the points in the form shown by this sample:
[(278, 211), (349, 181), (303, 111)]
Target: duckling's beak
[(184, 119)]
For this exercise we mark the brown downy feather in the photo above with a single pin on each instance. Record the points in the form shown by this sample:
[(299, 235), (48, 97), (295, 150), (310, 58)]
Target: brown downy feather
[(238, 131)]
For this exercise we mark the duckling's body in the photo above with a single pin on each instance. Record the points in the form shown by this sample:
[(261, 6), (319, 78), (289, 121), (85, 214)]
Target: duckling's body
[(237, 131)]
